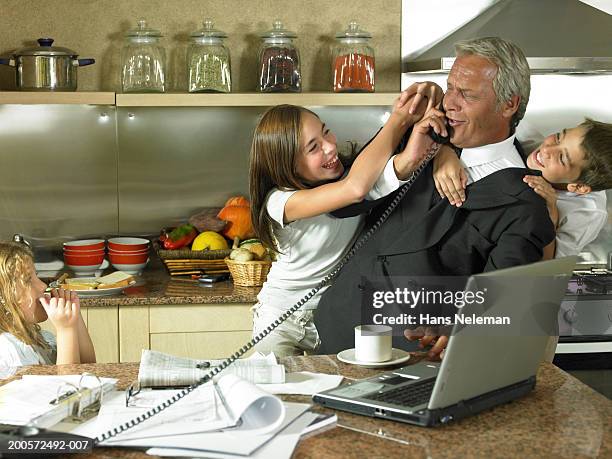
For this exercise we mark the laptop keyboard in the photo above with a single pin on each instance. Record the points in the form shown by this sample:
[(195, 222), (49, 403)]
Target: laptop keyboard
[(408, 395)]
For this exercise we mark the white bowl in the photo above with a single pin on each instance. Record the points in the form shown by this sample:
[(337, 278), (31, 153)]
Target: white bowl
[(135, 268), (84, 271)]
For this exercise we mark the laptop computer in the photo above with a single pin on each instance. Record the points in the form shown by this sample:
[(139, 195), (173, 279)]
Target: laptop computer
[(479, 370)]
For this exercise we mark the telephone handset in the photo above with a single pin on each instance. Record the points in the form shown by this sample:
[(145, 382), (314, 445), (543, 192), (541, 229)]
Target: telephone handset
[(440, 138), (437, 137), (244, 349)]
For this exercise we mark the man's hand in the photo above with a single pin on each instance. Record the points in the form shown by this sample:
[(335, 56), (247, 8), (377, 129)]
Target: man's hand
[(438, 343), (63, 308), (449, 176), (419, 144), (545, 189)]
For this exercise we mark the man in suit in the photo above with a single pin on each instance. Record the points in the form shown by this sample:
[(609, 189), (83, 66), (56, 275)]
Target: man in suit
[(502, 223)]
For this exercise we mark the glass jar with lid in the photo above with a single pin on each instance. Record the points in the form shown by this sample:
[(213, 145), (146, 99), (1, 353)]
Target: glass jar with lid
[(208, 61), (143, 60), (353, 60), (279, 61)]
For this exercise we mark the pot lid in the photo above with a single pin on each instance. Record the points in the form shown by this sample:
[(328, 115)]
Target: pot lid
[(353, 31), (208, 31), (45, 49), (142, 30), (278, 31)]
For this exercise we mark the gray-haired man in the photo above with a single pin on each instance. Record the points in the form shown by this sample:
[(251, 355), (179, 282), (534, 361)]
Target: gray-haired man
[(502, 223)]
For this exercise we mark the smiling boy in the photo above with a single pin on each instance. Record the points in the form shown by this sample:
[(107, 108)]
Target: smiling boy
[(576, 166)]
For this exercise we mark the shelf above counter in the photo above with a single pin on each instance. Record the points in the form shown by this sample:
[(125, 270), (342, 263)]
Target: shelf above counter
[(62, 98), (250, 99), (254, 99)]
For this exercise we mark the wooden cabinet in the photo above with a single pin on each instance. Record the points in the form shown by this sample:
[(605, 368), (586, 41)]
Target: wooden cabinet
[(103, 326), (202, 331)]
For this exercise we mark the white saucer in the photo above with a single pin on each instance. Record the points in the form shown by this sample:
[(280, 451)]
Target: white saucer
[(397, 356)]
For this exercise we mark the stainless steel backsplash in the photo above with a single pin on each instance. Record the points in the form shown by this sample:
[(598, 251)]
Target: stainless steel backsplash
[(74, 171)]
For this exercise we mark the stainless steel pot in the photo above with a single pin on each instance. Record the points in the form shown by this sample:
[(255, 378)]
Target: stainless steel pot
[(46, 67)]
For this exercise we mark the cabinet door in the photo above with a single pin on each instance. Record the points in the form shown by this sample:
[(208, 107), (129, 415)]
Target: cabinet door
[(203, 345), (200, 331), (133, 332), (103, 326)]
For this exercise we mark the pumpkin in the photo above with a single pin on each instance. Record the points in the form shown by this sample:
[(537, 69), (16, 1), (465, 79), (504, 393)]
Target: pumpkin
[(237, 212), (239, 201)]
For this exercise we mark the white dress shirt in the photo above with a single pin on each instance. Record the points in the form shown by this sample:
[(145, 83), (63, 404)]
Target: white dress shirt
[(482, 161), (581, 218)]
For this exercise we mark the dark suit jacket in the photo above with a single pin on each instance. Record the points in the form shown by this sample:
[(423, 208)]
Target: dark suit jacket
[(502, 223)]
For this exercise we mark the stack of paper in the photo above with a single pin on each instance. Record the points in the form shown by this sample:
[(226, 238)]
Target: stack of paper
[(230, 418), (158, 369), (28, 400)]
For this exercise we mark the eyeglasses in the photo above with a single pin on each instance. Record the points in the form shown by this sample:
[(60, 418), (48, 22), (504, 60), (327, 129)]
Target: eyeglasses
[(132, 391)]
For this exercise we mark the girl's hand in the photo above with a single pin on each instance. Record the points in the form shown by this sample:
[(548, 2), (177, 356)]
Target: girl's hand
[(545, 189), (427, 91), (63, 308), (450, 178), (415, 101)]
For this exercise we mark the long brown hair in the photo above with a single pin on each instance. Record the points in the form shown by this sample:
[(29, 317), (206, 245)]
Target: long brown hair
[(15, 281), (276, 142)]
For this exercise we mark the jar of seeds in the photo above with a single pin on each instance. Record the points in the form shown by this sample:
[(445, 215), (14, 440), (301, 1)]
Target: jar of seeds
[(279, 61), (208, 61)]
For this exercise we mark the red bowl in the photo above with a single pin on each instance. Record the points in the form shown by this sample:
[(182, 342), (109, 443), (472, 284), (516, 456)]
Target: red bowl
[(129, 252), (83, 252), (83, 260), (128, 259), (128, 244), (85, 244)]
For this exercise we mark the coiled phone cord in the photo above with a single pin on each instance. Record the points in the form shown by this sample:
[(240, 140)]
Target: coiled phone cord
[(244, 349)]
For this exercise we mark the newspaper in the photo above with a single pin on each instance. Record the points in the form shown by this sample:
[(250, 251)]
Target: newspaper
[(158, 369)]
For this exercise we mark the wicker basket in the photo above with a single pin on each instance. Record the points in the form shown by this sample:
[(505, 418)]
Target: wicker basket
[(186, 261), (248, 273)]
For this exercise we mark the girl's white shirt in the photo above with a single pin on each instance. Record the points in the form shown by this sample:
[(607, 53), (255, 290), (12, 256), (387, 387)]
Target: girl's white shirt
[(15, 353), (311, 247)]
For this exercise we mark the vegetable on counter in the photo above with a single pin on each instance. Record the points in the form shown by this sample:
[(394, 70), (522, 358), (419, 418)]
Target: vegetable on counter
[(179, 237), (237, 212), (249, 250)]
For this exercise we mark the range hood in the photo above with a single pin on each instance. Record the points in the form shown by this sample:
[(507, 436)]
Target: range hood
[(565, 36)]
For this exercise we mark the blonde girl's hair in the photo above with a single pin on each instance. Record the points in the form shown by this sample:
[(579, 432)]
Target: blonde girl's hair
[(15, 281), (276, 142)]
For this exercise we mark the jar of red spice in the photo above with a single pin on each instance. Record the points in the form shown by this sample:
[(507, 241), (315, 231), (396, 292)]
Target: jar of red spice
[(353, 60), (279, 69)]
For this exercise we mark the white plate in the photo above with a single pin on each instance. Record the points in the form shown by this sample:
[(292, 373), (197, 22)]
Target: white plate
[(397, 356), (96, 292)]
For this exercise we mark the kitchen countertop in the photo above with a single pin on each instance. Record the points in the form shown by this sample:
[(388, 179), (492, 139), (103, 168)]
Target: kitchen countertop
[(155, 286), (562, 417)]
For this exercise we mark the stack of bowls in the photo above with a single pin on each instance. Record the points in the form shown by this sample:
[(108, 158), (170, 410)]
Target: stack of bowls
[(129, 254), (84, 257)]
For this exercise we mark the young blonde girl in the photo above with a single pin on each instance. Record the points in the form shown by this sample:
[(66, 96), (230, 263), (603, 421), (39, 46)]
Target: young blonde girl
[(24, 304), (296, 178)]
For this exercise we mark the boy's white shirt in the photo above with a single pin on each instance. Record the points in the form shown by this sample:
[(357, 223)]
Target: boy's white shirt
[(581, 218)]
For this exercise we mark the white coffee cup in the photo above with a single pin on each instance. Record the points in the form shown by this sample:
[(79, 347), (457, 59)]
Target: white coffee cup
[(373, 343)]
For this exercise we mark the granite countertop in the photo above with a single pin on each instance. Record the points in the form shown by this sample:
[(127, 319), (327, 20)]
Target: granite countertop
[(561, 418), (156, 286)]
